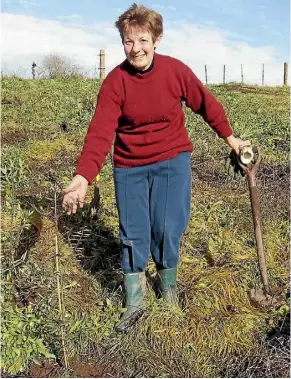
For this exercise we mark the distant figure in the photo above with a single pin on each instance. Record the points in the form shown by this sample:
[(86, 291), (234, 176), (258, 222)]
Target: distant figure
[(140, 104), (33, 70)]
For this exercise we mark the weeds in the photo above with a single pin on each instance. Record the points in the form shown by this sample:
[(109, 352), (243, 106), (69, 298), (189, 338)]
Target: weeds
[(217, 332)]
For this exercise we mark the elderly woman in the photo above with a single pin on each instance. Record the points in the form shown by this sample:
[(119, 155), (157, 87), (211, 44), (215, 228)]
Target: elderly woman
[(140, 105)]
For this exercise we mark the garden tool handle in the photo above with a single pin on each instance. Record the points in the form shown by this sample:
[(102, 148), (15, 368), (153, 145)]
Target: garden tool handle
[(246, 168), (257, 229), (251, 171)]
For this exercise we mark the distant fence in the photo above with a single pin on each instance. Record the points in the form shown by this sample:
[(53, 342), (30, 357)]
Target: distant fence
[(285, 74), (224, 70)]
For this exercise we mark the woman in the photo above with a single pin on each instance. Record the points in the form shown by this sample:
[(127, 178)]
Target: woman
[(139, 104)]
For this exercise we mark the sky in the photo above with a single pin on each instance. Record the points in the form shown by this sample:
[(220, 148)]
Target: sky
[(251, 33)]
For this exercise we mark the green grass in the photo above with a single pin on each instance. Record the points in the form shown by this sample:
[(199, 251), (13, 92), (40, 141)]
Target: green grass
[(218, 324)]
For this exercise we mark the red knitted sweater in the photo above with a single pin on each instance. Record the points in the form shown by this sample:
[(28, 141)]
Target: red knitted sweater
[(144, 113)]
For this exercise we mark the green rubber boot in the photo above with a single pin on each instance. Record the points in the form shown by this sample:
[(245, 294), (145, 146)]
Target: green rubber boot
[(133, 301), (168, 285)]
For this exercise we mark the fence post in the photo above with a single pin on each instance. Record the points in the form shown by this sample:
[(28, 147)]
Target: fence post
[(205, 74), (241, 73), (285, 73), (263, 75), (33, 69), (102, 64), (224, 74)]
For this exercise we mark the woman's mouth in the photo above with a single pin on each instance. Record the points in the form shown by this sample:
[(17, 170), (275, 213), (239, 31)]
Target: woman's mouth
[(139, 57)]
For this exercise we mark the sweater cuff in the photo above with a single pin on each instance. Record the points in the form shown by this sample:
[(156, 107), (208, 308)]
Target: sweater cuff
[(87, 176), (224, 135), (224, 131)]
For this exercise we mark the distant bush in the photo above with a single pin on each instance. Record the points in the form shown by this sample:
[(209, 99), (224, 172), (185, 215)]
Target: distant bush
[(56, 66)]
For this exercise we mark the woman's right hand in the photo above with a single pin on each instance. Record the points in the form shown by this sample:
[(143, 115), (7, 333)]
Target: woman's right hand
[(75, 194)]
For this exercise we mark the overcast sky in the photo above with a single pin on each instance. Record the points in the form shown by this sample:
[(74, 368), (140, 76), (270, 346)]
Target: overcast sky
[(211, 32)]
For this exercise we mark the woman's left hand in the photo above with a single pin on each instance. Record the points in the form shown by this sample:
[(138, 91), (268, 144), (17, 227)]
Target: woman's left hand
[(236, 143), (233, 169)]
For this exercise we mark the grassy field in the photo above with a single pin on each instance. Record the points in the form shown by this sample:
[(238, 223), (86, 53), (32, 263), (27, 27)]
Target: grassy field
[(59, 310)]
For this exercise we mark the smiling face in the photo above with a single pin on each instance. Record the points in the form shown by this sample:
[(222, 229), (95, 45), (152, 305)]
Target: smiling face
[(139, 48)]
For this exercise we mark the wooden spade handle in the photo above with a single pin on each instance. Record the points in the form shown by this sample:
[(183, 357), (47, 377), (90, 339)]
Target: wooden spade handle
[(257, 229), (251, 171)]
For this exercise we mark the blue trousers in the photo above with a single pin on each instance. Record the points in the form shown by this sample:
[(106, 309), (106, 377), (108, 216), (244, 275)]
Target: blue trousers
[(153, 203)]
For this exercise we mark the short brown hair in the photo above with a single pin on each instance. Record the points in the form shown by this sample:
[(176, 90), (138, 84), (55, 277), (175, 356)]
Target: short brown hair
[(141, 17)]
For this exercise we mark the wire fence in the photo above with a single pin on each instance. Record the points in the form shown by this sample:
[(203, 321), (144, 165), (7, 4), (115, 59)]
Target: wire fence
[(265, 74)]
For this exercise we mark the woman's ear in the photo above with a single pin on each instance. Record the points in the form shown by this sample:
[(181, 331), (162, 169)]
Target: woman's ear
[(158, 40)]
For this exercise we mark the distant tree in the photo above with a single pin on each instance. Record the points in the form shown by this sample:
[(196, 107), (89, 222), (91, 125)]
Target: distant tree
[(56, 66)]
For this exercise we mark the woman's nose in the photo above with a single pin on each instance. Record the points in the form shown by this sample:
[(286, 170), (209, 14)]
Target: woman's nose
[(136, 48)]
